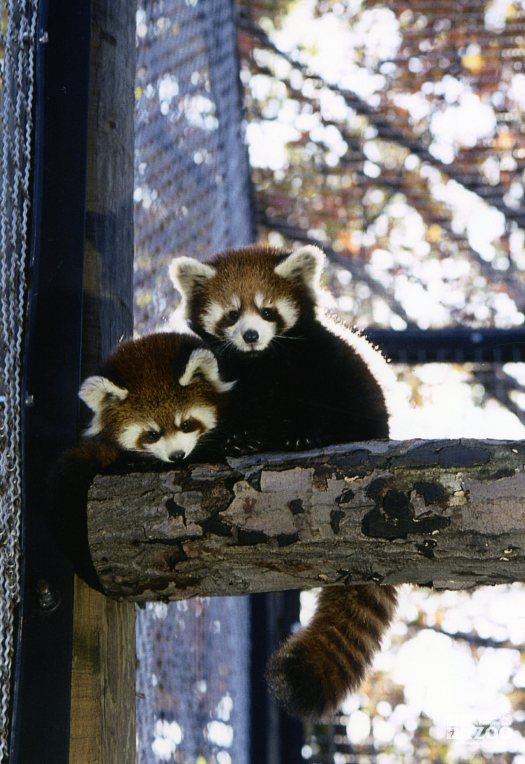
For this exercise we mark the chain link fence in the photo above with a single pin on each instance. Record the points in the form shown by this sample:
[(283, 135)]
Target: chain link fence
[(18, 22)]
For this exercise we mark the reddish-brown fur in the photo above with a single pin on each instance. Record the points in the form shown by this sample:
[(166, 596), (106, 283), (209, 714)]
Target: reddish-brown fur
[(245, 272), (315, 668), (149, 368)]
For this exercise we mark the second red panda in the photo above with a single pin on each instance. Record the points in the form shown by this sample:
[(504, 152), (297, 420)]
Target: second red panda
[(155, 398)]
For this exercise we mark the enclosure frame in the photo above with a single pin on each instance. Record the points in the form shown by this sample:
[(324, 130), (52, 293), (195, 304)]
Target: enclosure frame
[(74, 671)]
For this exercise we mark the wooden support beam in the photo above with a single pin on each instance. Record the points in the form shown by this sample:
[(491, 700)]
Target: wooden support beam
[(447, 513), (102, 729), (103, 687)]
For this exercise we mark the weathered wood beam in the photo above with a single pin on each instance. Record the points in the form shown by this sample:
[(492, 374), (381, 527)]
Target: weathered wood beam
[(447, 513), (102, 722)]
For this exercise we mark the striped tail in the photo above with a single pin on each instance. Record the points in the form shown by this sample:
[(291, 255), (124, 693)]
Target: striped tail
[(312, 672)]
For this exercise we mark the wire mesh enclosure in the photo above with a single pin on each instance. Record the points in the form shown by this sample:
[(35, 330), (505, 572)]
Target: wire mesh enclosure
[(17, 49), (191, 188), (191, 198)]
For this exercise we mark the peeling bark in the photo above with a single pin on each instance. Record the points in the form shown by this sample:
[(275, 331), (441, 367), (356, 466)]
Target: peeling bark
[(448, 514)]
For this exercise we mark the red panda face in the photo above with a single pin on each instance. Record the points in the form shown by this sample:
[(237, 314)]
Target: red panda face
[(249, 322), (171, 439), (156, 414), (248, 297)]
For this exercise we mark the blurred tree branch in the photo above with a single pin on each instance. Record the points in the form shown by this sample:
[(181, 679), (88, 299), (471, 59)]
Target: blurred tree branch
[(388, 131)]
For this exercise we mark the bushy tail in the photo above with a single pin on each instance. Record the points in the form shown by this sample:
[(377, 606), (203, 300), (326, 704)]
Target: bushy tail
[(312, 672)]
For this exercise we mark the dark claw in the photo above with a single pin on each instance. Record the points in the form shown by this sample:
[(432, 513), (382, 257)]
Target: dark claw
[(244, 442), (345, 576)]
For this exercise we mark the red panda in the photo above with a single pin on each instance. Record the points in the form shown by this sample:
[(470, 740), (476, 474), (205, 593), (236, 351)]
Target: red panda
[(303, 381), (157, 397)]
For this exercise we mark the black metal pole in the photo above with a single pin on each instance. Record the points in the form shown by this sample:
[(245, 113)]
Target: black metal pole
[(41, 692), (275, 738), (453, 345)]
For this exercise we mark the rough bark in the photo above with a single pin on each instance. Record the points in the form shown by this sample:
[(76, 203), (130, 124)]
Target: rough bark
[(444, 513)]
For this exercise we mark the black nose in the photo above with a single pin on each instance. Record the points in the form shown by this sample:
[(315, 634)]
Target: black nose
[(176, 456), (250, 336)]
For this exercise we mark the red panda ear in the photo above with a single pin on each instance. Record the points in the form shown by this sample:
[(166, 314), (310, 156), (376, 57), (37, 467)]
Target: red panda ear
[(96, 390), (188, 274), (203, 363), (304, 264)]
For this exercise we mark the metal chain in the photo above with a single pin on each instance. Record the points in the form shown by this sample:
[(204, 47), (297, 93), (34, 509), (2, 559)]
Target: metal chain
[(17, 69)]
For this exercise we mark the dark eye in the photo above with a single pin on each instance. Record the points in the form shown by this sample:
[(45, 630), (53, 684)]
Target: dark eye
[(189, 425), (232, 317), (151, 436), (268, 314)]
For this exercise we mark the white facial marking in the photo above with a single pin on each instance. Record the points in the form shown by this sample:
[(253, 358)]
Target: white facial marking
[(251, 321), (288, 312), (211, 317), (183, 441), (152, 425), (205, 415), (129, 436), (168, 445)]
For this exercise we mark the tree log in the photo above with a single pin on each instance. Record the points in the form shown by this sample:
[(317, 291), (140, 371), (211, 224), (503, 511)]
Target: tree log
[(447, 513)]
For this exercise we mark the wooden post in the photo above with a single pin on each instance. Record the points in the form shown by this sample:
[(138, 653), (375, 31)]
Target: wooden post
[(444, 513), (103, 678)]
